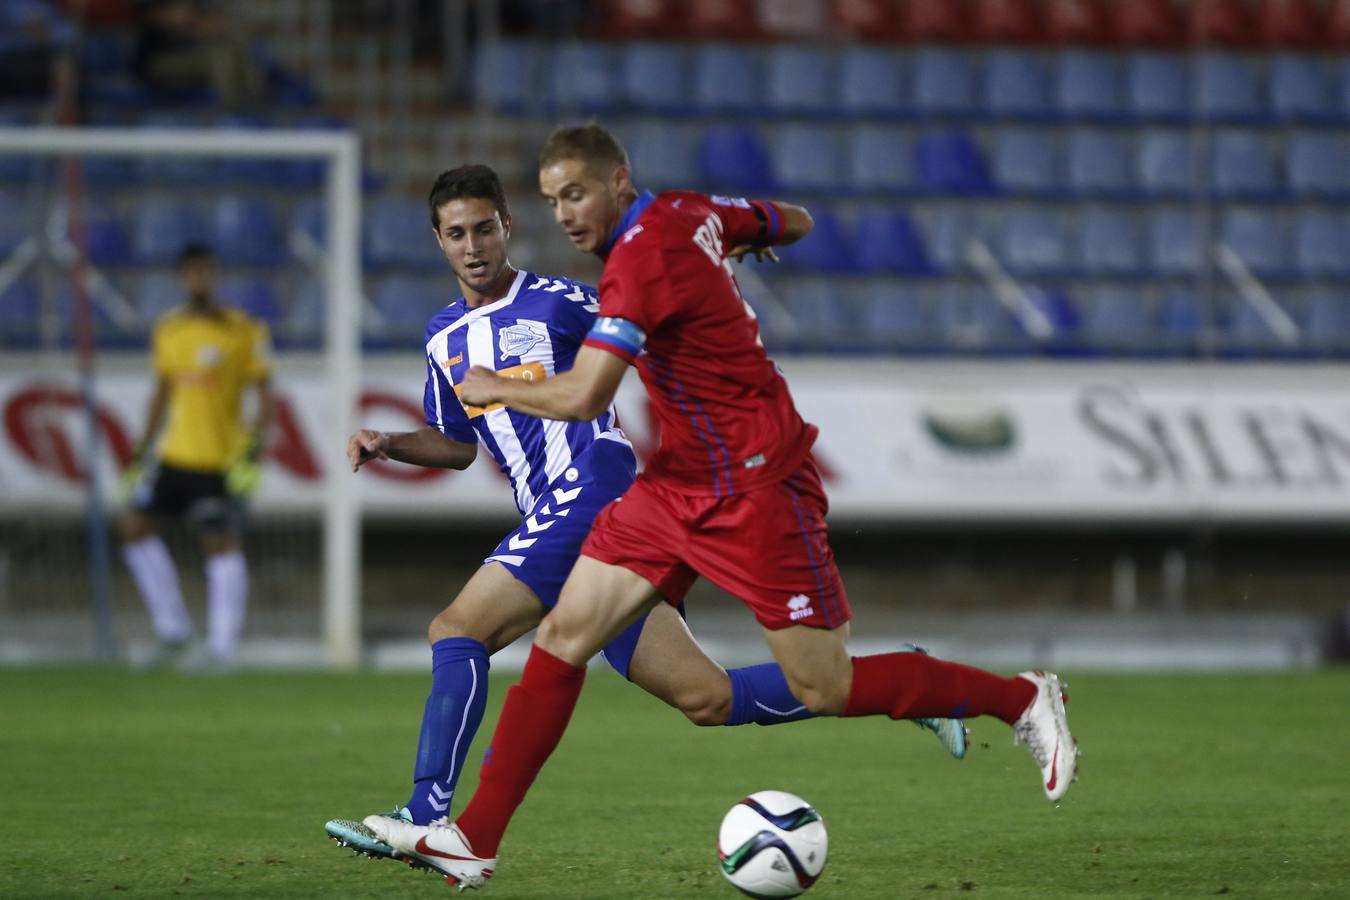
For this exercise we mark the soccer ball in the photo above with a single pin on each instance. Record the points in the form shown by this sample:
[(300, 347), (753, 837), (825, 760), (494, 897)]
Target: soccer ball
[(772, 844)]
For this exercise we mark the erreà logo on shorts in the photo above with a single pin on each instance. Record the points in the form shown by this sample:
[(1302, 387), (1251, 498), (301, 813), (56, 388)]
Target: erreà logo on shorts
[(800, 607)]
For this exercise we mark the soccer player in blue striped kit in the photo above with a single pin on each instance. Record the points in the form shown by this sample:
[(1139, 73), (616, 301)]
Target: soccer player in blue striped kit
[(530, 327)]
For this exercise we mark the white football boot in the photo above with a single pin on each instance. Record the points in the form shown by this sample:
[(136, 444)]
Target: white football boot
[(1044, 729), (440, 846)]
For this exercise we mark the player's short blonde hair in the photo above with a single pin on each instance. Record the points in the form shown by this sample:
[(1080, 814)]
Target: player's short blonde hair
[(593, 145)]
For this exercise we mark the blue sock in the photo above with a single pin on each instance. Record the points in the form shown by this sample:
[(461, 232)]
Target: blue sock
[(453, 713), (760, 694)]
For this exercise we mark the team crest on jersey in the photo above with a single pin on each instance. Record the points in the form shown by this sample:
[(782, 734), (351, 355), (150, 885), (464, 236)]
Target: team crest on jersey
[(521, 338)]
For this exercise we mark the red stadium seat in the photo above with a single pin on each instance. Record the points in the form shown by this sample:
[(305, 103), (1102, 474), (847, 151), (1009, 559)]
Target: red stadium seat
[(925, 21), (1228, 23), (793, 19), (1153, 23), (720, 19), (868, 20), (1076, 22), (1338, 23), (1008, 21), (1291, 23), (636, 18)]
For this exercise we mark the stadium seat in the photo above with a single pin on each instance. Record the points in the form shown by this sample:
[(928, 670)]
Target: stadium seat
[(1228, 90), (162, 227), (1318, 165), (1088, 86), (1300, 89), (111, 171), (1338, 23), (971, 319), (805, 158), (1291, 23), (1326, 319), (1258, 239), (20, 312), (1242, 166), (719, 20), (252, 170), (1077, 22), (1228, 23), (1157, 87), (945, 230), (734, 158), (821, 311), (1246, 329), (655, 77), (924, 21), (397, 233), (1175, 246), (944, 84), (828, 248), (245, 232), (800, 80), (157, 293), (868, 20), (950, 162), (889, 242), (311, 218), (307, 312), (505, 78), (1007, 21), (727, 79), (1108, 244), (1118, 319), (894, 315), (1148, 23), (1165, 164), (1343, 89), (1033, 243), (405, 304), (636, 18), (106, 240), (580, 78), (1026, 161), (1016, 86), (878, 160), (254, 296), (185, 170), (1097, 164), (871, 83), (1183, 319), (1322, 245), (663, 155)]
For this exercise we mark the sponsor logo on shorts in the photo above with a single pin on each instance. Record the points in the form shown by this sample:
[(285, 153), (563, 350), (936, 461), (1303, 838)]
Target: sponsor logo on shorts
[(800, 607)]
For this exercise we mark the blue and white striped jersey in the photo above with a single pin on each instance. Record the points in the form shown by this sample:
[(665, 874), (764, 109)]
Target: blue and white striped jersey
[(533, 332)]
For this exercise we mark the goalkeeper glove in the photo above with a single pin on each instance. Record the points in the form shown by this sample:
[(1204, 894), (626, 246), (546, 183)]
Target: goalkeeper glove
[(245, 473)]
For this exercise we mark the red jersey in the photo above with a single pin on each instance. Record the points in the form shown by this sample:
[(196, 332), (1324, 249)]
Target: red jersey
[(669, 303)]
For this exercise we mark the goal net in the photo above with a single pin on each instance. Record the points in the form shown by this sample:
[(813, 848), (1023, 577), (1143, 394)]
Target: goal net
[(91, 221)]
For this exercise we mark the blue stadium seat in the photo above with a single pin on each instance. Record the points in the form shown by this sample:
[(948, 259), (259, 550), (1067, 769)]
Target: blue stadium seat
[(20, 312), (1183, 318), (105, 238), (1033, 242), (252, 170), (1326, 319), (950, 162), (158, 293), (1119, 319), (1158, 87), (505, 76), (311, 218), (889, 242), (655, 77), (871, 83), (727, 79), (1026, 161), (894, 314), (397, 233), (801, 80), (1108, 243), (1165, 164), (406, 304), (111, 171), (1098, 164), (971, 319), (1300, 89), (821, 311), (1322, 244), (1318, 165), (1175, 246), (1343, 92), (1243, 166), (254, 296), (580, 78), (805, 158), (664, 156), (1258, 239), (878, 160), (1245, 327), (1228, 89), (1088, 86), (162, 227), (245, 232), (944, 84), (828, 248), (186, 170), (945, 232), (733, 158), (1016, 86)]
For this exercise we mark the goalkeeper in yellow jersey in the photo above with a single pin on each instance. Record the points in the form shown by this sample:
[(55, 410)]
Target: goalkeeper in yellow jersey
[(205, 358)]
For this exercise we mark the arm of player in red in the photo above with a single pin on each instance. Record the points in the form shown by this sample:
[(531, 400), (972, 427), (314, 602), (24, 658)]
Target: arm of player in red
[(581, 393)]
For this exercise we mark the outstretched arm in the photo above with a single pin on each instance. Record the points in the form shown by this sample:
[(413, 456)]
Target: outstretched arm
[(796, 223), (426, 447), (582, 392)]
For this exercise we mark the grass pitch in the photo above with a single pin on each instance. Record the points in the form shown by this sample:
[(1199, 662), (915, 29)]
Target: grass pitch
[(120, 784)]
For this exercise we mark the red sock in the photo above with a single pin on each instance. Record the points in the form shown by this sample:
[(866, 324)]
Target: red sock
[(917, 686), (533, 719)]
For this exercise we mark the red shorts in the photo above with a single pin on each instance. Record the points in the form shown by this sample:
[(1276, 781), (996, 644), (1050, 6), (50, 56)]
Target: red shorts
[(766, 546)]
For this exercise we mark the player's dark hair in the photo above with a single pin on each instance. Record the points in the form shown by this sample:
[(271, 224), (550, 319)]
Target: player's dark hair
[(193, 251), (593, 145), (477, 182)]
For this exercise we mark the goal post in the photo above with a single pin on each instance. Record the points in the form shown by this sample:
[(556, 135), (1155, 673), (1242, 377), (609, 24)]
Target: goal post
[(341, 356)]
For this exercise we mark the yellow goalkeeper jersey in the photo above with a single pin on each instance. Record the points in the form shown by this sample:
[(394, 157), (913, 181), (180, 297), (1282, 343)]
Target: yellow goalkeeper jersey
[(208, 361)]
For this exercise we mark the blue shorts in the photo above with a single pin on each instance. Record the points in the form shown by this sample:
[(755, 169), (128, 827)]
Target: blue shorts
[(540, 553)]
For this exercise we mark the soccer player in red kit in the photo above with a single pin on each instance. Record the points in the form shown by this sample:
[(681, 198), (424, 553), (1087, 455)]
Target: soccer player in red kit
[(731, 494)]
